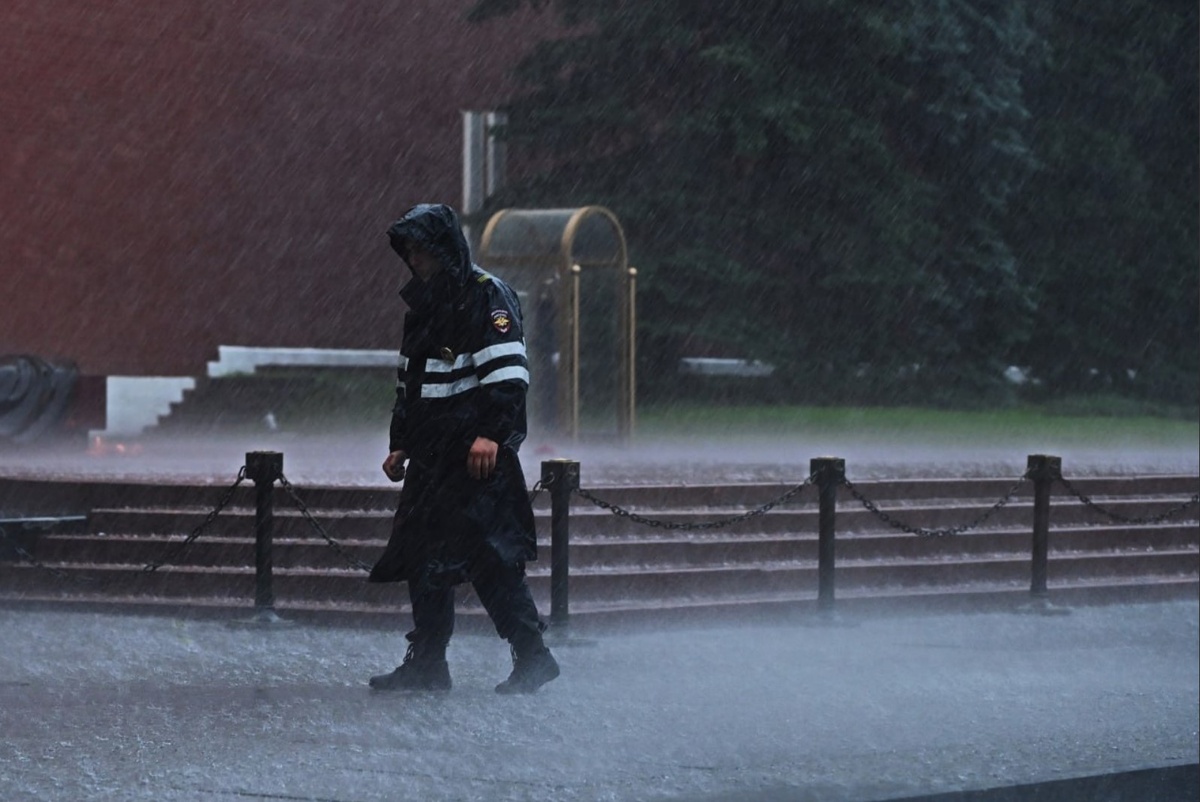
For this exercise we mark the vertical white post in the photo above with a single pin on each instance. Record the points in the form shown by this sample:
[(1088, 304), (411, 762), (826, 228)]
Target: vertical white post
[(496, 154), (474, 155)]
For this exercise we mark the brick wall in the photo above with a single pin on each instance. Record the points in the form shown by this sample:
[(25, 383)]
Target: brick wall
[(177, 175)]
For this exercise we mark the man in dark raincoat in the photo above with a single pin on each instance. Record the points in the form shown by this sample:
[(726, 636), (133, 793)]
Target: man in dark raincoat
[(464, 512)]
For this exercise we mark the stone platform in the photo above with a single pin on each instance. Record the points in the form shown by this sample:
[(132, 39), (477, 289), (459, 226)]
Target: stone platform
[(969, 707)]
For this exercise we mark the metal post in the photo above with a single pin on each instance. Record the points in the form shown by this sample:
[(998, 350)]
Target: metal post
[(576, 272), (263, 468), (630, 422), (495, 153), (474, 176), (474, 150), (561, 477), (830, 472), (1043, 470)]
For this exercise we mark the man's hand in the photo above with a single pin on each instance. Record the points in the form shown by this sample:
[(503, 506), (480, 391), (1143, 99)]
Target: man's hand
[(393, 466), (481, 459)]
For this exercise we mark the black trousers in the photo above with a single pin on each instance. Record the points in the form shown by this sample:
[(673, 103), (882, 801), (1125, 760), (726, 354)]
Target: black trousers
[(505, 596)]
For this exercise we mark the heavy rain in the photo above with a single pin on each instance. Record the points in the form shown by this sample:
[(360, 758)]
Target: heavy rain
[(868, 331)]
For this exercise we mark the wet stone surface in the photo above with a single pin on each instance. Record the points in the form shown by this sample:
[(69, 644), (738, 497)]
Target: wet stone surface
[(354, 458), (105, 707)]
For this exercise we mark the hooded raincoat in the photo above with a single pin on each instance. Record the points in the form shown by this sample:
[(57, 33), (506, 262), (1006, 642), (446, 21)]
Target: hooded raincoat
[(463, 374)]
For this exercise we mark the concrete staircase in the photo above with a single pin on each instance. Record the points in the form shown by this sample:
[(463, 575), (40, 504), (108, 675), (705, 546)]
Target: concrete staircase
[(280, 398), (622, 571), (263, 388)]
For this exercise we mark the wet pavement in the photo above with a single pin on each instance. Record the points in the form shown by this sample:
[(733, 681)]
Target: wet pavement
[(354, 457), (106, 707), (110, 707)]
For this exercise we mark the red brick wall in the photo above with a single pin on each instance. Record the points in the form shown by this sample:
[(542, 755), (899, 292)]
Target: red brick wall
[(176, 175)]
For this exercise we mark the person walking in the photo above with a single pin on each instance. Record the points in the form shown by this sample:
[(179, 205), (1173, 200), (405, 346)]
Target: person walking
[(464, 513)]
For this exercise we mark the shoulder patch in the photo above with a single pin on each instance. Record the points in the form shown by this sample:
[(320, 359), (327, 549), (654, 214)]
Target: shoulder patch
[(501, 320), (484, 278)]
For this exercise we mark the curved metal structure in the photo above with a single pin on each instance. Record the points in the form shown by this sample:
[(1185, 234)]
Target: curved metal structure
[(570, 268), (34, 395)]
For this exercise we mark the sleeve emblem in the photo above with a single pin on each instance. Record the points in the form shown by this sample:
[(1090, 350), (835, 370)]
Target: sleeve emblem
[(501, 320)]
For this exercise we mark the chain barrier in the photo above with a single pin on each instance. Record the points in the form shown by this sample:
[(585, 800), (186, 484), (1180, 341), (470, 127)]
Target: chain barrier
[(199, 530), (339, 548), (921, 531), (172, 552), (1116, 516), (692, 527), (350, 559), (539, 486)]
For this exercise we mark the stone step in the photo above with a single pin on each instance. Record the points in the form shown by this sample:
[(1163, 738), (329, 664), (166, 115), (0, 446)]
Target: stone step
[(905, 490), (851, 517), (647, 585), (621, 568), (674, 550), (54, 497)]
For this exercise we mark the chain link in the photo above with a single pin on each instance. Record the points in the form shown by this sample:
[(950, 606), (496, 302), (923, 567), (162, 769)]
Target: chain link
[(921, 531), (353, 561), (199, 530), (350, 559), (1148, 519), (618, 511), (692, 527)]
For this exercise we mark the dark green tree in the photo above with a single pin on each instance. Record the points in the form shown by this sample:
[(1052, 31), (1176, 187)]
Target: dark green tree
[(864, 192), (963, 128), (742, 145), (1108, 227)]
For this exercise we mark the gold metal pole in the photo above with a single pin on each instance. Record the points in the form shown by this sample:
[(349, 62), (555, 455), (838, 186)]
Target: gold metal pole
[(576, 270), (631, 353)]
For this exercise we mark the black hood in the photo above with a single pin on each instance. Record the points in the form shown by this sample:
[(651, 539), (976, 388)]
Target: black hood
[(436, 229)]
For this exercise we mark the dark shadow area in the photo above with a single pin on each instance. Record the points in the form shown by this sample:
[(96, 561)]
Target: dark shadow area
[(1164, 784)]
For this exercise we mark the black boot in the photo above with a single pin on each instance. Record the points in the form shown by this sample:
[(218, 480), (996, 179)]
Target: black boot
[(423, 669), (532, 669)]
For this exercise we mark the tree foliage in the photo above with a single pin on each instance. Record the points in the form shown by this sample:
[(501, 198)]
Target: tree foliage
[(1107, 229), (883, 198)]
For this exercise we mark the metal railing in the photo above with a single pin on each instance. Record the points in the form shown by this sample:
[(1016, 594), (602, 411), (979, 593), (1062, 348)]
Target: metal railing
[(560, 478)]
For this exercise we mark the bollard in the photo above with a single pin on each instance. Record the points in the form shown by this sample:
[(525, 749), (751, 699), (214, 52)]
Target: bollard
[(830, 472), (263, 468), (1043, 470), (561, 478)]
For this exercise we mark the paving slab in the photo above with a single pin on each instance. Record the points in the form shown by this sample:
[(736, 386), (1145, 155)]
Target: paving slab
[(116, 707), (353, 458)]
